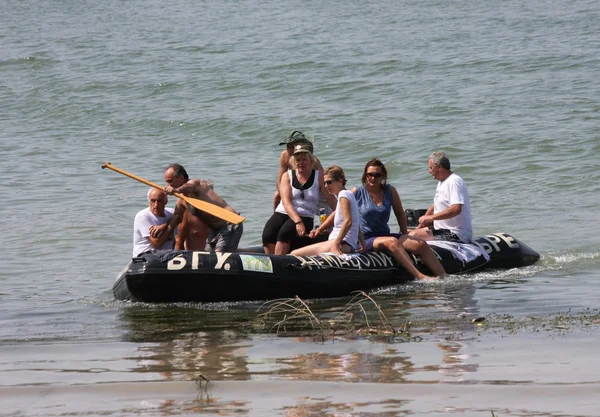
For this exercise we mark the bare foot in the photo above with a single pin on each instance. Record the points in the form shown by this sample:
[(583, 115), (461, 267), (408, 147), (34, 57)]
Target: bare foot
[(423, 277)]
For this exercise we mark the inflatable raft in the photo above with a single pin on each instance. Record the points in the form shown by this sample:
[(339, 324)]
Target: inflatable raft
[(183, 276)]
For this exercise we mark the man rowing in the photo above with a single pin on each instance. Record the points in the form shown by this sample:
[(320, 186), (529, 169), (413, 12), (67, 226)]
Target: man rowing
[(222, 237)]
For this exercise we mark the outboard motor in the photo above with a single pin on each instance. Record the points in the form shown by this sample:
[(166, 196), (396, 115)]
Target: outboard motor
[(412, 216)]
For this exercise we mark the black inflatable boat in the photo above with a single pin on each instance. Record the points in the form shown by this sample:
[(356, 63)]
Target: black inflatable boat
[(184, 276)]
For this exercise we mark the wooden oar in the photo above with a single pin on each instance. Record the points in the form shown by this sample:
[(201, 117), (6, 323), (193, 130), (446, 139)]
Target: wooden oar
[(204, 206)]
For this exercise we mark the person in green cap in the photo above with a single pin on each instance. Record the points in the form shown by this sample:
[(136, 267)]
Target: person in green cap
[(294, 138)]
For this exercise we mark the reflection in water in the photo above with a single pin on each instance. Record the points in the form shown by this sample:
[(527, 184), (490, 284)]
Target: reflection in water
[(454, 366), (187, 342), (348, 367), (203, 403), (318, 407), (180, 348)]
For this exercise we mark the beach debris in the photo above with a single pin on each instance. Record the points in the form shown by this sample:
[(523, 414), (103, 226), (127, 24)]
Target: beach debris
[(203, 397), (296, 313), (478, 320), (202, 381)]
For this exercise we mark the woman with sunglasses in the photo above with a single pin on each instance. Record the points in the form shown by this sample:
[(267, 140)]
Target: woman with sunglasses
[(300, 189), (345, 236), (376, 199)]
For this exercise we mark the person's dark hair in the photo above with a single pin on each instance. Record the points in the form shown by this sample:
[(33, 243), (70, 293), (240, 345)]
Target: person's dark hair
[(179, 170), (375, 162), (440, 159), (336, 173)]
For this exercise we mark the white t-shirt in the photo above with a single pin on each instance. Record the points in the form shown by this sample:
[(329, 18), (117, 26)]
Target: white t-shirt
[(453, 190), (141, 230), (351, 237)]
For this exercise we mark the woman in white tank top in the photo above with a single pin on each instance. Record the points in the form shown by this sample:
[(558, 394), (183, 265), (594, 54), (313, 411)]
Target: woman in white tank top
[(294, 216)]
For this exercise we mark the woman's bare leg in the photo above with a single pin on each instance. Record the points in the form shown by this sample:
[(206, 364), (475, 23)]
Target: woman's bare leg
[(269, 248), (282, 248), (314, 249), (422, 249), (394, 248)]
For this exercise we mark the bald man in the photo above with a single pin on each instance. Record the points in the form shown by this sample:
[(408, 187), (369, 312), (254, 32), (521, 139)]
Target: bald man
[(155, 214)]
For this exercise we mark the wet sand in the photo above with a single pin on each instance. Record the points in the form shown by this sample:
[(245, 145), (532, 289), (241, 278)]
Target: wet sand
[(302, 398), (477, 373)]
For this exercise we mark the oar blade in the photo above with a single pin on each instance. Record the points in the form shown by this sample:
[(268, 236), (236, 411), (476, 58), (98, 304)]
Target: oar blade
[(213, 209)]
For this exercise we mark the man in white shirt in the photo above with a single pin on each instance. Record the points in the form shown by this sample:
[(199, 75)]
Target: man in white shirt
[(450, 213), (154, 215)]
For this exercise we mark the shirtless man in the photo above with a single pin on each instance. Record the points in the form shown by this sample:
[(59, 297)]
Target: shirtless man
[(222, 237), (193, 232), (297, 138)]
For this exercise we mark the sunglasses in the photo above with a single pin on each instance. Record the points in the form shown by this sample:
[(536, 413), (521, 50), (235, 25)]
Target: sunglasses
[(329, 182), (373, 174), (302, 194)]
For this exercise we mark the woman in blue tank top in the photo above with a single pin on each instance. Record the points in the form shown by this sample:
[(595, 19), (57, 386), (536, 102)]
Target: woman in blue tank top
[(376, 199)]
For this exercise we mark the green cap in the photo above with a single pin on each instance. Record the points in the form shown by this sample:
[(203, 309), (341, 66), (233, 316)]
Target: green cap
[(295, 136)]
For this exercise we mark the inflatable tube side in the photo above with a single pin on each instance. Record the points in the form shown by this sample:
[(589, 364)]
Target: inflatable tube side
[(204, 276), (193, 276), (506, 252)]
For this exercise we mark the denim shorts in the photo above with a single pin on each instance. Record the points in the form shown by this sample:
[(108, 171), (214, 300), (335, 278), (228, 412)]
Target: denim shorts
[(369, 241), (226, 239)]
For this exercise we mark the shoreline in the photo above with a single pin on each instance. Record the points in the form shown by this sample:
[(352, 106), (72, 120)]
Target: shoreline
[(274, 398)]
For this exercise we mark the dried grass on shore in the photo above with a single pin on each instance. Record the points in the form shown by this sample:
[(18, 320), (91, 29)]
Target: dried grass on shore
[(287, 315)]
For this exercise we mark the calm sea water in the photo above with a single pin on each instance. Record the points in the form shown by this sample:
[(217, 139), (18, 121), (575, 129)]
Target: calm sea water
[(510, 90)]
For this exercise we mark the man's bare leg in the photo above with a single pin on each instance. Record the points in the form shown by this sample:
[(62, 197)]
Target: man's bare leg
[(424, 233), (276, 199)]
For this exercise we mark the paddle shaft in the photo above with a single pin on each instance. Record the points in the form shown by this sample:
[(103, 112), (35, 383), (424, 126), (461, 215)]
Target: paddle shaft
[(130, 175), (204, 206)]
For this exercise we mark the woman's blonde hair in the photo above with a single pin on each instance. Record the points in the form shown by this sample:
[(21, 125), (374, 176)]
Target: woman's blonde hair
[(310, 156)]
